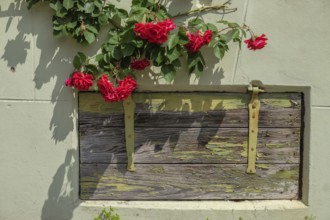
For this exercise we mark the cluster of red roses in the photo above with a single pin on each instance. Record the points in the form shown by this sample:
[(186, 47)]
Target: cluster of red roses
[(83, 81), (114, 94), (197, 41), (154, 32)]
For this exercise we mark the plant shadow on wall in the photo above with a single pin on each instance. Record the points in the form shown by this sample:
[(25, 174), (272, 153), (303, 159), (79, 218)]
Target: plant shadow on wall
[(16, 50), (60, 203), (52, 58)]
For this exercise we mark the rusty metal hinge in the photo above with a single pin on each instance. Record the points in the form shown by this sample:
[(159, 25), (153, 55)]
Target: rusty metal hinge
[(129, 109), (254, 107)]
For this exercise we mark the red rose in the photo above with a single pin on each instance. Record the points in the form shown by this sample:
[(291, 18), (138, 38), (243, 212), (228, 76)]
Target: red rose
[(79, 80), (128, 83), (207, 36), (104, 85), (257, 43), (195, 42), (68, 82), (140, 64), (168, 24), (112, 94), (111, 97), (154, 32)]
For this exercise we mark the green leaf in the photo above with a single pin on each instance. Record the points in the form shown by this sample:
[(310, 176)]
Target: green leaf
[(138, 43), (168, 71), (138, 2), (107, 57), (192, 59), (128, 36), (92, 29), (195, 22), (219, 52), (233, 25), (213, 42), (212, 27), (236, 33), (176, 63), (90, 37), (58, 27), (121, 13), (103, 19), (98, 4), (113, 40), (89, 7), (82, 56), (76, 62), (199, 69), (90, 68), (116, 53), (223, 22), (61, 12), (57, 6), (67, 4), (229, 35), (99, 57), (127, 49), (57, 34), (162, 15), (71, 25), (173, 40), (243, 33), (173, 54), (183, 38), (137, 13)]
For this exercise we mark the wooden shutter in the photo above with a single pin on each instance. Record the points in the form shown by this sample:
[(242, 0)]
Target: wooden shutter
[(190, 146)]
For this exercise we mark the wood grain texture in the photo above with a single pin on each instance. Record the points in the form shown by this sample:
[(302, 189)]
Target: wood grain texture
[(188, 182), (192, 110), (191, 145)]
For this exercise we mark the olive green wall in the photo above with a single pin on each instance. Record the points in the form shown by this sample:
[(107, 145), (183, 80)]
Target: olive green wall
[(38, 127)]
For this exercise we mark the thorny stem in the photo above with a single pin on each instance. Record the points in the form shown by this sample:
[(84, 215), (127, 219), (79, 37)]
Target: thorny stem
[(205, 8)]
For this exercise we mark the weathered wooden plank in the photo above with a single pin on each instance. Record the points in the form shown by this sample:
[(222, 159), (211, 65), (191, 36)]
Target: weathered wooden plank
[(191, 145), (193, 110), (188, 182)]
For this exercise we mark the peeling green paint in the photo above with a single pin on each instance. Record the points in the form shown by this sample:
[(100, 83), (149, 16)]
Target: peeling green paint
[(251, 189), (263, 166), (228, 188), (157, 169), (288, 174)]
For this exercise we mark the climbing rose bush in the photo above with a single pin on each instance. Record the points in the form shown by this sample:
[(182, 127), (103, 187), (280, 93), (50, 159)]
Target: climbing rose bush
[(145, 36)]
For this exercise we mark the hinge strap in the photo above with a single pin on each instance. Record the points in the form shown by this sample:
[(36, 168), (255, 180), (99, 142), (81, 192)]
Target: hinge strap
[(129, 109), (254, 107)]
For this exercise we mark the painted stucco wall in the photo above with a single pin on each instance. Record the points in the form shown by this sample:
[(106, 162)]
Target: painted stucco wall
[(39, 157)]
